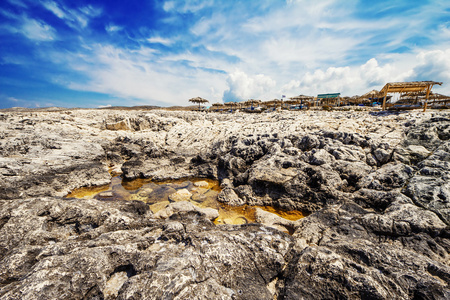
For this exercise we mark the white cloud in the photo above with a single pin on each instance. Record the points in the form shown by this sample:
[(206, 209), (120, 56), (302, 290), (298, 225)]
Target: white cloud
[(132, 75), (433, 65), (301, 47), (346, 80), (77, 19), (187, 5), (37, 30), (160, 40), (169, 5), (113, 28), (243, 87), (54, 8), (13, 99)]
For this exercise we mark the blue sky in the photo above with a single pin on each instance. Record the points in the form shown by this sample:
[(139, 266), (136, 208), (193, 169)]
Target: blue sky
[(97, 53)]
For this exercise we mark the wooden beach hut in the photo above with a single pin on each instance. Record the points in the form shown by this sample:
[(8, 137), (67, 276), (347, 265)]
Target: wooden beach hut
[(409, 87), (332, 99)]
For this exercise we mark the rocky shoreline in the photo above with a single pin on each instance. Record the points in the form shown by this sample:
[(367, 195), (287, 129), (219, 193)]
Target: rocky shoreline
[(376, 187)]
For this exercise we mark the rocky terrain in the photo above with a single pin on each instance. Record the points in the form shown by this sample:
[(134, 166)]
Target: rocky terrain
[(375, 187)]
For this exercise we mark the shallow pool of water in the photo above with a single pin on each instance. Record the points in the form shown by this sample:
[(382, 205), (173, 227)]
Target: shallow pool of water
[(158, 194)]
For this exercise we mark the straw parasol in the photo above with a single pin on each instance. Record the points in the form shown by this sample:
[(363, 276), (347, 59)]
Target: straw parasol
[(273, 102), (198, 100), (251, 102), (231, 104), (217, 106), (299, 99), (371, 94)]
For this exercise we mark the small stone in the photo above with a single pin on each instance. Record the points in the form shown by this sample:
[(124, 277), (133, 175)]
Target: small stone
[(201, 184), (180, 195), (106, 194), (419, 151), (114, 284), (382, 155), (320, 157)]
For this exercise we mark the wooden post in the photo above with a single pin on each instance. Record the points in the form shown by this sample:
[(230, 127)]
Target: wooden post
[(426, 99), (384, 99)]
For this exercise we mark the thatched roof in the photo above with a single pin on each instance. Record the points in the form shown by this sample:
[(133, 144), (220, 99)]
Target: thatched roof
[(423, 95), (299, 99), (437, 96), (406, 87), (371, 94), (302, 97), (198, 100), (272, 102), (251, 102)]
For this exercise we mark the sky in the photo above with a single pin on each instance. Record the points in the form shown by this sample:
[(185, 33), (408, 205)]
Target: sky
[(153, 52)]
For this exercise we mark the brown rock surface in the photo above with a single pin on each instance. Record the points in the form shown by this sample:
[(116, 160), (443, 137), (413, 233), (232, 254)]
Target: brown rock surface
[(375, 185)]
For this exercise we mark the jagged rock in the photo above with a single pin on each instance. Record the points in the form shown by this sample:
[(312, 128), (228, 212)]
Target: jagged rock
[(345, 251), (121, 125), (185, 206), (114, 250), (320, 157), (272, 220), (382, 155), (388, 177), (229, 196), (375, 185), (430, 187)]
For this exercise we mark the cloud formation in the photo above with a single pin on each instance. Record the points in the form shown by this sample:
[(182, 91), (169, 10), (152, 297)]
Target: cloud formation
[(243, 87), (166, 52), (37, 30)]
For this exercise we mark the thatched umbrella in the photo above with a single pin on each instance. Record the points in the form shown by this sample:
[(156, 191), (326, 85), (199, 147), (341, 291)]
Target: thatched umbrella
[(292, 101), (198, 100), (217, 106), (273, 102), (251, 102), (231, 104), (371, 94), (299, 99)]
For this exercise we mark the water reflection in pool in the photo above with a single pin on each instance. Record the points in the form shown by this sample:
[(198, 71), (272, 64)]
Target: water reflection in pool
[(158, 194)]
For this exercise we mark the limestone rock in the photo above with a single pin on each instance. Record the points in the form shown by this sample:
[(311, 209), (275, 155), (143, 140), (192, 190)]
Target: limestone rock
[(201, 184), (180, 195), (117, 251), (320, 157), (274, 221), (185, 206), (375, 185), (229, 196)]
